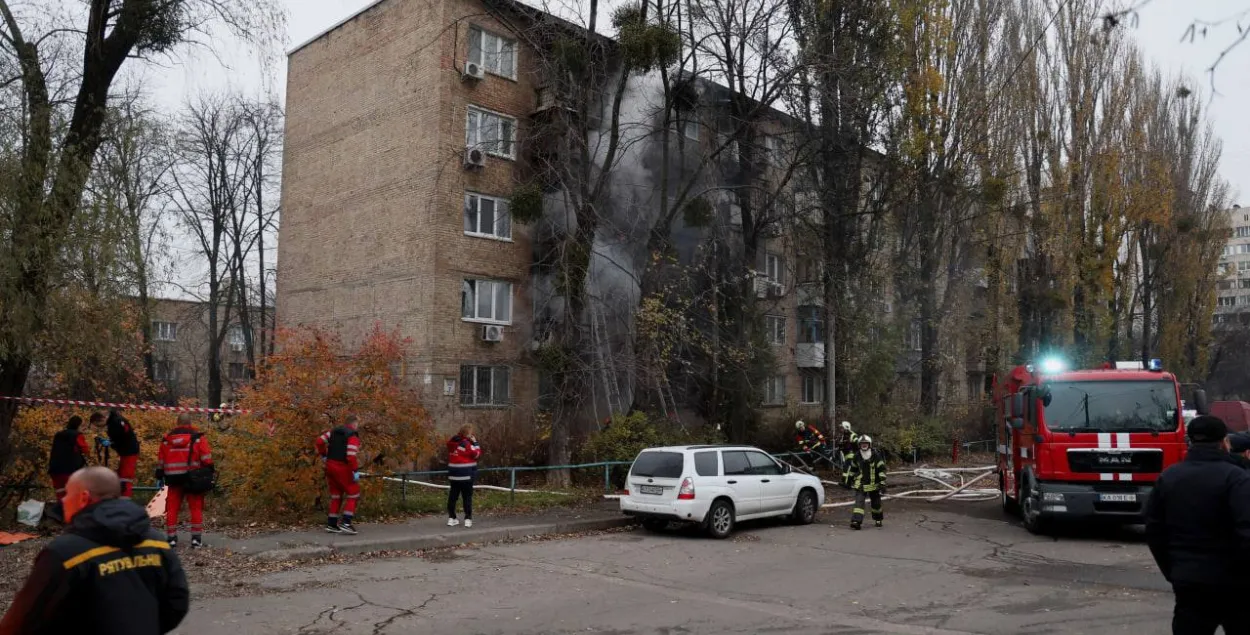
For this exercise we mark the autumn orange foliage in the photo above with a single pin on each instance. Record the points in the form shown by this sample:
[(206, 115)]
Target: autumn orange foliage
[(267, 460)]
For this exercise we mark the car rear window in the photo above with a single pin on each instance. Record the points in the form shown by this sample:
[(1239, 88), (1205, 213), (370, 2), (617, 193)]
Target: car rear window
[(705, 464), (658, 464)]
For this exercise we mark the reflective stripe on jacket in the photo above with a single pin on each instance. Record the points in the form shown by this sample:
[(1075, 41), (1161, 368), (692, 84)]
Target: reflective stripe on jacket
[(866, 474), (462, 456), (178, 455)]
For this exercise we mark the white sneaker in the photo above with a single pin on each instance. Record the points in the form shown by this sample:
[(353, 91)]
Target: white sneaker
[(452, 522), (468, 523)]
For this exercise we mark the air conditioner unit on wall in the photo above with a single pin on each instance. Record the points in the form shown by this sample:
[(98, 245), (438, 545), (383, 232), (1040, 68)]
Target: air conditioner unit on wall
[(492, 333), (775, 290), (473, 70), (474, 158)]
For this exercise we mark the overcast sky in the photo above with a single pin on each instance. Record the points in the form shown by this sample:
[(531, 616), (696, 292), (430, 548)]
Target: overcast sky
[(1158, 30)]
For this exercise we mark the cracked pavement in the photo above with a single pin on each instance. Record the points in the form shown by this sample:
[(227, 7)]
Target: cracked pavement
[(950, 568)]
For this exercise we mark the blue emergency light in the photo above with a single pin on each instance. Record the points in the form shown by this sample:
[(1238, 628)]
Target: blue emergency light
[(1155, 365)]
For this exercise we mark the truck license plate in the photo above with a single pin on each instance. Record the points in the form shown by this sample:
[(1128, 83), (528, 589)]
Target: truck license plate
[(1118, 498), (654, 490)]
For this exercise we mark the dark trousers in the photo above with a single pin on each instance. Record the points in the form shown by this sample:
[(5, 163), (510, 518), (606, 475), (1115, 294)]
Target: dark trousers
[(460, 489), (1201, 608), (874, 497)]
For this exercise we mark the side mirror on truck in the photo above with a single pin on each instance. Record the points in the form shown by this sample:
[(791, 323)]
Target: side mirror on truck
[(1200, 402), (1017, 423), (1017, 406)]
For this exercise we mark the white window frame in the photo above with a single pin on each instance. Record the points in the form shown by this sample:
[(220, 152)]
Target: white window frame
[(774, 268), (164, 331), (1243, 266), (230, 374), (1243, 300), (686, 123), (235, 338), (1226, 300), (772, 148), (474, 286), (813, 389), (473, 204), (775, 391), (915, 339), (469, 388), (776, 327), (473, 136), (1243, 231), (490, 40)]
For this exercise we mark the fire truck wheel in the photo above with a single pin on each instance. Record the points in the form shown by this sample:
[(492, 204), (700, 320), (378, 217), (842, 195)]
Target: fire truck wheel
[(1029, 511), (1009, 506)]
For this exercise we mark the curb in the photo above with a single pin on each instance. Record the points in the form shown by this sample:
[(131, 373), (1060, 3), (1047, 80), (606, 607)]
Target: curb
[(360, 544)]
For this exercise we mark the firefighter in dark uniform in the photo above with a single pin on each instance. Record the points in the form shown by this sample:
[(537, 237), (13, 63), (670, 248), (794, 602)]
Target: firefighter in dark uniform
[(1198, 529), (866, 475), (69, 454), (110, 572)]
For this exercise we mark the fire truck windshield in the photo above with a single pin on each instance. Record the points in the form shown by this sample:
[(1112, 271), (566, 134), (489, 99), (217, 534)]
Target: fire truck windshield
[(1111, 406)]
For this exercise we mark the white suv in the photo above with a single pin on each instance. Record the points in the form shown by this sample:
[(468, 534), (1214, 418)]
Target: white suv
[(716, 486)]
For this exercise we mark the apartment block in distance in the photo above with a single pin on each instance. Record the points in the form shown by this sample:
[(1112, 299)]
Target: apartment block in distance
[(1232, 304)]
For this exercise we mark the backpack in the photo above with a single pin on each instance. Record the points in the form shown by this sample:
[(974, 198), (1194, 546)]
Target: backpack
[(202, 479)]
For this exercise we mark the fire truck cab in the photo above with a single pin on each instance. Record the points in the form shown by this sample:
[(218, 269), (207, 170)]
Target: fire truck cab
[(1086, 445)]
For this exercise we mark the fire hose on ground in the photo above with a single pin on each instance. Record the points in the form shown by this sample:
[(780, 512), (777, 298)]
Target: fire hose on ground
[(963, 491)]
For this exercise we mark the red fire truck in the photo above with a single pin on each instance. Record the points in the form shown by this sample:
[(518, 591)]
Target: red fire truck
[(1086, 444)]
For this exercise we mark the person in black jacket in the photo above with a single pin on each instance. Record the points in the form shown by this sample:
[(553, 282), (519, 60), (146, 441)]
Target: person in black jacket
[(1198, 529), (1239, 447), (110, 573), (69, 454), (125, 443)]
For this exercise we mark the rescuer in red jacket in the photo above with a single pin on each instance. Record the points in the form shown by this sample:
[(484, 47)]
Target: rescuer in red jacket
[(339, 447), (69, 454), (182, 450)]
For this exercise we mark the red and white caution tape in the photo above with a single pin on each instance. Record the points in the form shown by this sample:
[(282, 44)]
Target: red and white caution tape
[(128, 406)]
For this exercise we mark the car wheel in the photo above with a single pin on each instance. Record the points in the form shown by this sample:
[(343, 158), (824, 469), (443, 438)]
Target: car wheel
[(720, 519), (1030, 510), (804, 508), (652, 524)]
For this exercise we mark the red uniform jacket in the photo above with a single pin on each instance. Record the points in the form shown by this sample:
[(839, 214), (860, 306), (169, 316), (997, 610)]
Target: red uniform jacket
[(179, 456), (340, 444)]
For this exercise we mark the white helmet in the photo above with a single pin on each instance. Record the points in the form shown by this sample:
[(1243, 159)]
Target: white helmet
[(798, 425), (865, 439), (846, 425)]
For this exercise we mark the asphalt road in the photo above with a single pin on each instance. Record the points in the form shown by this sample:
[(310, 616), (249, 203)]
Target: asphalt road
[(958, 568)]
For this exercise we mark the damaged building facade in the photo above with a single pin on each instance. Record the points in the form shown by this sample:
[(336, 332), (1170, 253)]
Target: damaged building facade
[(412, 130)]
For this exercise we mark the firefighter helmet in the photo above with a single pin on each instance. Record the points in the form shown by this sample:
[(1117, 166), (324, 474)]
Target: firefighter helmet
[(846, 425), (865, 440)]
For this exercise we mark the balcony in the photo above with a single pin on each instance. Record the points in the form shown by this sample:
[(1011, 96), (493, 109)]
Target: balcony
[(809, 355)]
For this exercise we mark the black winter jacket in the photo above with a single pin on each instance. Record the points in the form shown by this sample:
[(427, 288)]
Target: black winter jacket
[(1198, 519), (110, 573), (121, 435)]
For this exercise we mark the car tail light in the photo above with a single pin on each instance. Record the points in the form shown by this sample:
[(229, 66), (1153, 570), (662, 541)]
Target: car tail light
[(626, 492), (686, 493)]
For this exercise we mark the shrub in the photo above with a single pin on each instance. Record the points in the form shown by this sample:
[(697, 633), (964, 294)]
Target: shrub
[(268, 461), (627, 435)]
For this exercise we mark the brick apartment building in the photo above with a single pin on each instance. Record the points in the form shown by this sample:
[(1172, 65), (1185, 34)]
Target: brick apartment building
[(383, 223), (1233, 290), (180, 351)]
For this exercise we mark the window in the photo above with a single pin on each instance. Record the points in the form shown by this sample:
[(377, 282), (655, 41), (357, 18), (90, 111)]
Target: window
[(237, 370), (706, 464), (762, 464), (736, 463), (659, 464), (776, 326), (1244, 283), (1228, 251), (1225, 268), (1243, 266), (234, 337), (689, 127), (813, 388), (773, 268), (487, 216), (1243, 249), (492, 132), (1220, 319), (913, 336), (811, 325), (494, 53), (1227, 300), (772, 149), (486, 301), (775, 390), (164, 370), (807, 270), (1225, 285), (1243, 300), (1243, 231), (165, 331), (484, 385)]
